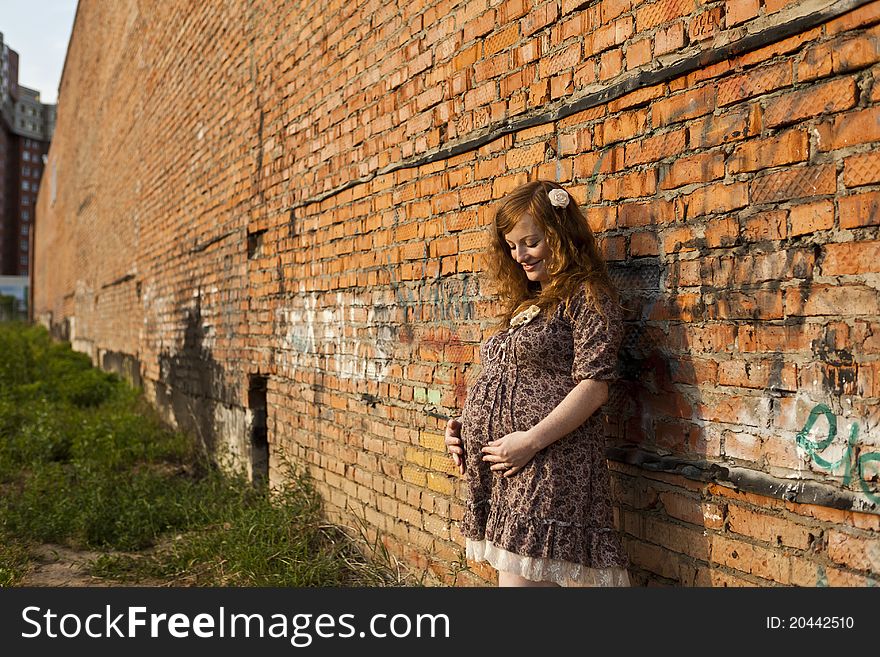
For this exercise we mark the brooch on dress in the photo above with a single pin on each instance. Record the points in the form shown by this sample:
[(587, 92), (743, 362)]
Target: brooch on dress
[(523, 318)]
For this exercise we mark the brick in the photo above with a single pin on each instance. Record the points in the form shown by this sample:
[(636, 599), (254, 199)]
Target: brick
[(858, 210), (743, 446), (722, 129), (669, 38), (779, 265), (638, 53), (703, 167), (815, 63), (816, 100), (864, 15), (706, 25), (850, 129), (861, 169), (840, 259), (811, 217), (800, 182), (844, 300), (644, 243), (691, 510), (760, 81), (687, 105), (718, 197), (767, 564), (631, 185), (740, 11), (644, 213), (769, 528), (539, 17), (621, 127), (761, 226), (654, 148), (753, 155), (652, 14), (853, 551)]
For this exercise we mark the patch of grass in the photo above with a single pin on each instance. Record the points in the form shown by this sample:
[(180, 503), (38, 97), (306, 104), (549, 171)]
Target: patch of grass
[(85, 462), (14, 561)]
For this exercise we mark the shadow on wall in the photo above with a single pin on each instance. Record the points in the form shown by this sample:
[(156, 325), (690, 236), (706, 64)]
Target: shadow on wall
[(191, 383)]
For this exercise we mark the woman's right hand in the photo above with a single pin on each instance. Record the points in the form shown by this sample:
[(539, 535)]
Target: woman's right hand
[(453, 443)]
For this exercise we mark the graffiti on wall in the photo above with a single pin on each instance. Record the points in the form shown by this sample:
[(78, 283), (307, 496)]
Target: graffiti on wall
[(852, 464), (352, 339)]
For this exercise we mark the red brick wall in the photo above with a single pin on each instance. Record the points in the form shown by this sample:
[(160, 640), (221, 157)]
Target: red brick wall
[(303, 194)]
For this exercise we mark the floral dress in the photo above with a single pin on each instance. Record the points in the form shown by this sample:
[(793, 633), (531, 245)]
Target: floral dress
[(553, 520)]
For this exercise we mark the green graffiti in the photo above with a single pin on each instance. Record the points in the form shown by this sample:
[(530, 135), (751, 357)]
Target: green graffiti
[(852, 467)]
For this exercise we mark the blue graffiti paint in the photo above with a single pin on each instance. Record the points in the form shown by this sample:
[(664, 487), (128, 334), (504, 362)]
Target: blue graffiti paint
[(852, 467)]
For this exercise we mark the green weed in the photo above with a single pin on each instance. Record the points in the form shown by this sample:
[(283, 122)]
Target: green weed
[(85, 462)]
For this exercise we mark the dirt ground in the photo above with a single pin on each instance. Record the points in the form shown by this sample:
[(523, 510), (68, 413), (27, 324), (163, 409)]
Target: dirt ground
[(56, 565)]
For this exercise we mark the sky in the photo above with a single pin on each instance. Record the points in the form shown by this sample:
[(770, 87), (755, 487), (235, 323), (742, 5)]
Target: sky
[(38, 30)]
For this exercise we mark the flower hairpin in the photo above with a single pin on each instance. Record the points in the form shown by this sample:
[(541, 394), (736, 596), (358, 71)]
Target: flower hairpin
[(526, 316), (558, 198)]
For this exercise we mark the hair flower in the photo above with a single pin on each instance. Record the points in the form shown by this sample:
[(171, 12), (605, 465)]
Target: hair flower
[(558, 198)]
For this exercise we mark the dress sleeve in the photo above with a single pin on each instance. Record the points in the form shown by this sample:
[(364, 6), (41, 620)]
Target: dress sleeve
[(596, 341)]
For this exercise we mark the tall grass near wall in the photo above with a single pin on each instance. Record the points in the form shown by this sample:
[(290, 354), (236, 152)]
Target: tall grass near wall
[(85, 462)]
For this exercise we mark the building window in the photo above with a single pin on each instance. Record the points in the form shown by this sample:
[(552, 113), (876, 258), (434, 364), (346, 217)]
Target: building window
[(25, 185), (25, 200), (25, 171), (23, 260), (26, 156), (24, 245), (25, 215), (25, 229)]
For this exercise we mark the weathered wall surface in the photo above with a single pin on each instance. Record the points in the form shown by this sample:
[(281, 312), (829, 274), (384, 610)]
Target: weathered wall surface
[(272, 214)]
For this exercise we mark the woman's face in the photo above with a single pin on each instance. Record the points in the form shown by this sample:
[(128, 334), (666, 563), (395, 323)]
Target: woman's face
[(528, 246)]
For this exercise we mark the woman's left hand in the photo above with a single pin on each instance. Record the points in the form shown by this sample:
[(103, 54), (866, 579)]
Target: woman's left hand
[(510, 453)]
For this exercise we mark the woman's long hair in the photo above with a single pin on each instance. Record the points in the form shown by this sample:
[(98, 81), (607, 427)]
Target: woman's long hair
[(574, 257)]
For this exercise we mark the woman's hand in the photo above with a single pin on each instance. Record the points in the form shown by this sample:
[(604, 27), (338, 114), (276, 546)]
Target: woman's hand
[(453, 443), (510, 453)]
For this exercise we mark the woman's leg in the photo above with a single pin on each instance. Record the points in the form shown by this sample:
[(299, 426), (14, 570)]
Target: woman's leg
[(511, 579)]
